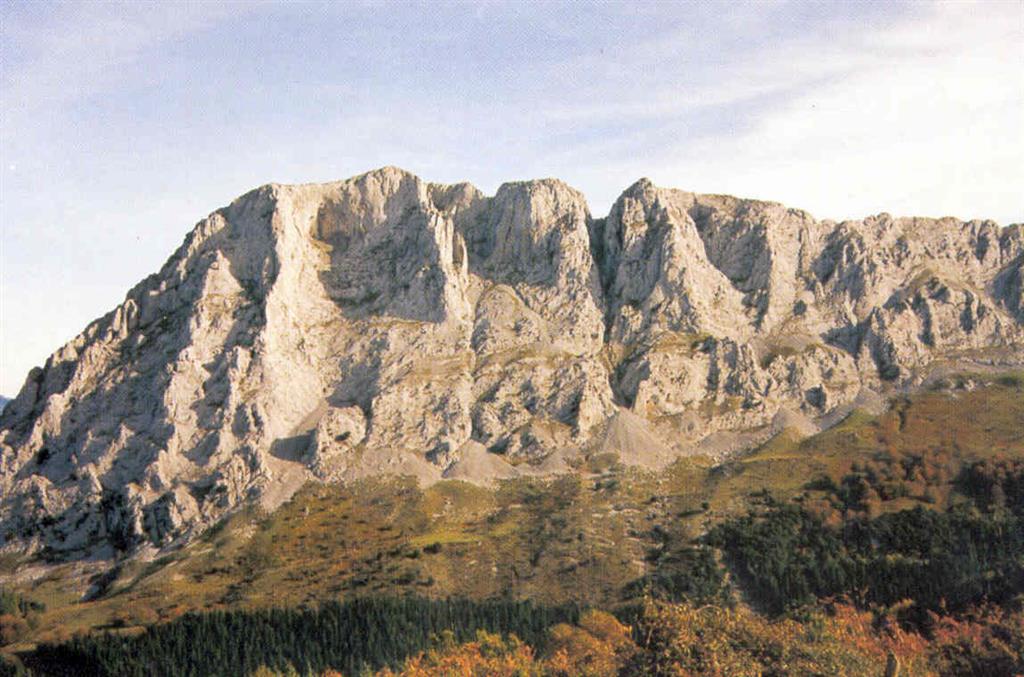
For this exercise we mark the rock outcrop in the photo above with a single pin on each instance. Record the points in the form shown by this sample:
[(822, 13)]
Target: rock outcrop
[(388, 325)]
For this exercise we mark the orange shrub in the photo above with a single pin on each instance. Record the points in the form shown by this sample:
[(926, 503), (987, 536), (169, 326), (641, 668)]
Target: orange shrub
[(987, 642), (489, 655), (12, 628), (594, 648), (680, 640)]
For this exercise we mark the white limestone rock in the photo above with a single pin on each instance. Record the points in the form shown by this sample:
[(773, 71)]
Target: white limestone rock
[(383, 324)]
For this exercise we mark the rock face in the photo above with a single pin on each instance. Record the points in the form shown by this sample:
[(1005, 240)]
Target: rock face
[(388, 325)]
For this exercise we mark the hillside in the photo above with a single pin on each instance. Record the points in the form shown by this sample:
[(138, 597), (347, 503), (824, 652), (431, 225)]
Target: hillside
[(604, 536)]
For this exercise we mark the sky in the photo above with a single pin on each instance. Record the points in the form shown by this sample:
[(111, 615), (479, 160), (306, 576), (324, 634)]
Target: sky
[(122, 125)]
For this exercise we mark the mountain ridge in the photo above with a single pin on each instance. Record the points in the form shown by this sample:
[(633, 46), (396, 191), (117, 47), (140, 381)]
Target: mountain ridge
[(383, 324)]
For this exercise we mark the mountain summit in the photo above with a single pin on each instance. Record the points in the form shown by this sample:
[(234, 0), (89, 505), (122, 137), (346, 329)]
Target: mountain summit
[(384, 324)]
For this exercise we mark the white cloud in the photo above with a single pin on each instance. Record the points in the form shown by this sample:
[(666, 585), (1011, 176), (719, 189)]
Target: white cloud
[(929, 123)]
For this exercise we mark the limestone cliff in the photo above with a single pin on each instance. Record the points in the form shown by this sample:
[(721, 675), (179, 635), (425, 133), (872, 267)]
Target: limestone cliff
[(388, 325)]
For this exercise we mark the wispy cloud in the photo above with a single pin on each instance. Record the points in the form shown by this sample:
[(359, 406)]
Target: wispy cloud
[(915, 113), (929, 123), (56, 53)]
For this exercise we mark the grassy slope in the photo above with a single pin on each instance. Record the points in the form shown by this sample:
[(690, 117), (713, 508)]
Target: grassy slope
[(573, 538)]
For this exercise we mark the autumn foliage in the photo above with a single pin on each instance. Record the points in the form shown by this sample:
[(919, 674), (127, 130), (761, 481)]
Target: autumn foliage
[(488, 655), (682, 640)]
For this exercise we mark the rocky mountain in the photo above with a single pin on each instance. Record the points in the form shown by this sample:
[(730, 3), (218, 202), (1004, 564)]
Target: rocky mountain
[(384, 324)]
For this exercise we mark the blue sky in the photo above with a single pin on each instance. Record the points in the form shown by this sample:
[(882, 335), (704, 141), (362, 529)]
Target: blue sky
[(124, 124)]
